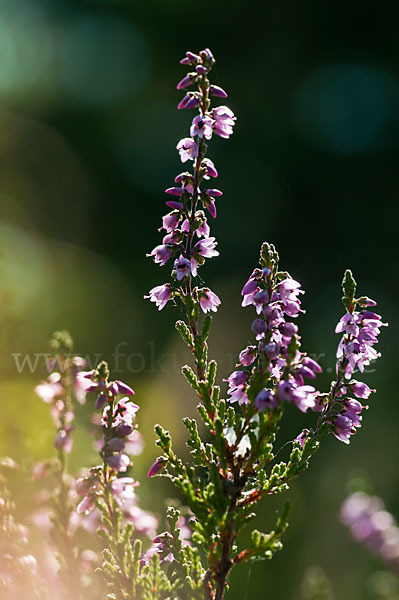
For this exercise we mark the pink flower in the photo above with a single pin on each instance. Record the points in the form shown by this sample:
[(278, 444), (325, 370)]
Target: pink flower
[(247, 356), (224, 120), (265, 399), (239, 395), (86, 505), (50, 389), (63, 440), (119, 462), (206, 247), (210, 168), (301, 438), (170, 221), (360, 389), (134, 443), (202, 126), (81, 386), (144, 522), (188, 149), (125, 411), (161, 295), (123, 489), (184, 268), (343, 428), (29, 563), (161, 254), (208, 300)]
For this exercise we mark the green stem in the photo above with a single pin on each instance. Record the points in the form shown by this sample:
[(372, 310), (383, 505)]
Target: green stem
[(191, 309)]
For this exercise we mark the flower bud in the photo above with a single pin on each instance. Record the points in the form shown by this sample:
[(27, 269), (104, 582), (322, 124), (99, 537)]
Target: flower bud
[(113, 388), (123, 429), (119, 462), (193, 102), (175, 191), (157, 466), (124, 389), (193, 58), (265, 400), (83, 486), (186, 81), (217, 91), (101, 400), (115, 445), (259, 326), (183, 102)]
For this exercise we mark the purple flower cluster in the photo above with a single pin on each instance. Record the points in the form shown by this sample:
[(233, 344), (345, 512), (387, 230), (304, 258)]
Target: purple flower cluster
[(119, 437), (370, 524), (276, 355), (118, 416), (187, 240), (161, 544), (355, 351), (360, 333), (123, 492), (55, 391)]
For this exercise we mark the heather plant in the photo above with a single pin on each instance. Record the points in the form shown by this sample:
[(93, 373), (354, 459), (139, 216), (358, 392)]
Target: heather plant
[(64, 387), (233, 463), (234, 466)]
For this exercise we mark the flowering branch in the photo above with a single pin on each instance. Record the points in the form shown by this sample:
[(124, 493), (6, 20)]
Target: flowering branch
[(127, 572), (61, 387), (234, 468), (234, 463), (187, 222)]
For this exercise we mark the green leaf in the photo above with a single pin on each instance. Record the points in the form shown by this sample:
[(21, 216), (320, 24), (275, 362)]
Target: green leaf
[(206, 327), (191, 377), (349, 290), (163, 440), (211, 375), (185, 333)]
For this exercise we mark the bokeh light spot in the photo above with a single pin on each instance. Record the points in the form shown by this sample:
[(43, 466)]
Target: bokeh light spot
[(23, 272), (348, 108), (103, 61), (138, 145), (26, 47)]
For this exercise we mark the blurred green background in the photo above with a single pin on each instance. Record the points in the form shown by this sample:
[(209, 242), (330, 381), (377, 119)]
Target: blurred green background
[(88, 129)]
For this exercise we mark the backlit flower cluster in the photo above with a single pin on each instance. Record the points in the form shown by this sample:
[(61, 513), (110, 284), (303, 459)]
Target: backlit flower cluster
[(360, 331), (275, 358), (57, 390), (117, 423), (161, 544), (187, 239), (118, 412), (372, 525)]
